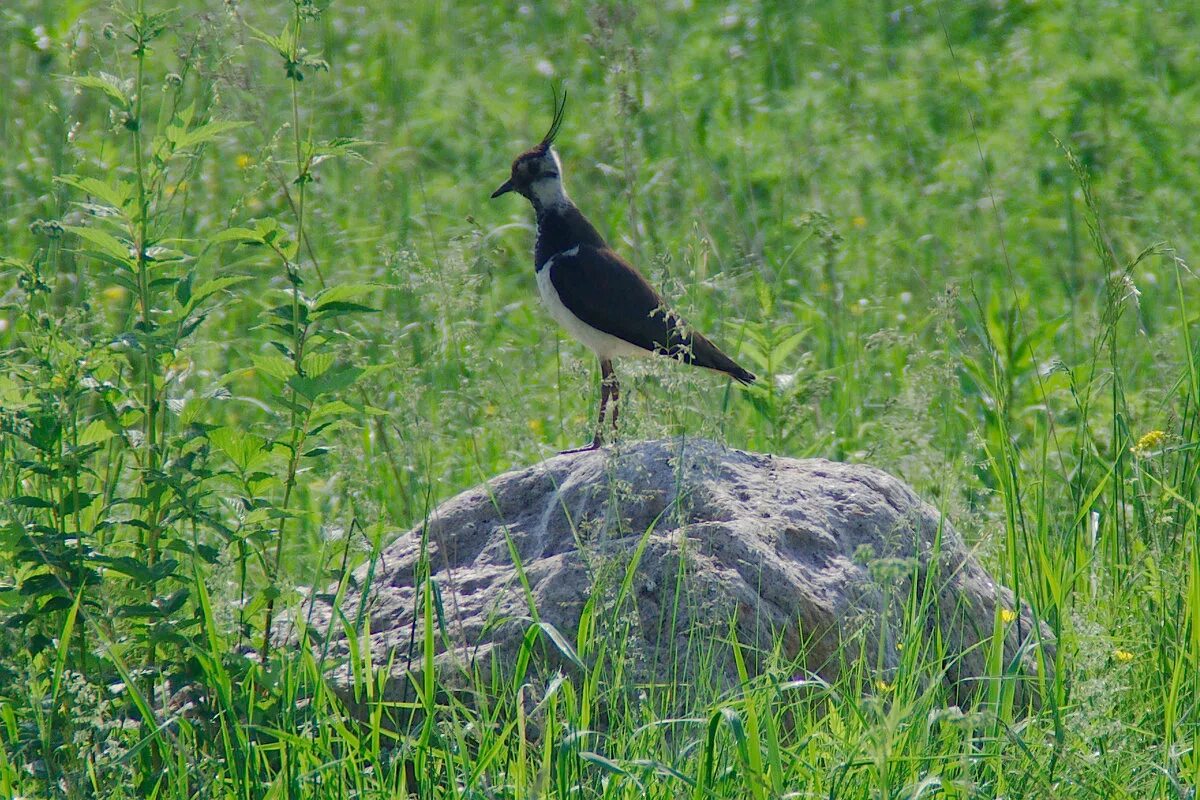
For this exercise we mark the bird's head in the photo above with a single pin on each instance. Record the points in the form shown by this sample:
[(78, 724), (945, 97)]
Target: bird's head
[(537, 173)]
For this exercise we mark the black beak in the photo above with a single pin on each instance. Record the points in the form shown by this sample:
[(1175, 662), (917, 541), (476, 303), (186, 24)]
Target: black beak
[(505, 188)]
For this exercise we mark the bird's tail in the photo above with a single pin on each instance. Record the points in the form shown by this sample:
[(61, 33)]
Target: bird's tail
[(704, 353)]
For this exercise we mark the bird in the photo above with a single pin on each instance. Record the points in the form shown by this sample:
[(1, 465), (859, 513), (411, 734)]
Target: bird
[(599, 297)]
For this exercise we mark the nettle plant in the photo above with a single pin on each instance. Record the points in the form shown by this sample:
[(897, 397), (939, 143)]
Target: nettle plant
[(108, 454), (126, 485)]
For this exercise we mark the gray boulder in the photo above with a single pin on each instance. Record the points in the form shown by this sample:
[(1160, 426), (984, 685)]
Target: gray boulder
[(669, 549)]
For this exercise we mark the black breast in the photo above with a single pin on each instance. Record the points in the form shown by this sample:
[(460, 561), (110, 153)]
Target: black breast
[(560, 229)]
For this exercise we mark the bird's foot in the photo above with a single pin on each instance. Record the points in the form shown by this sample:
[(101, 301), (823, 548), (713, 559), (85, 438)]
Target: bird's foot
[(587, 448)]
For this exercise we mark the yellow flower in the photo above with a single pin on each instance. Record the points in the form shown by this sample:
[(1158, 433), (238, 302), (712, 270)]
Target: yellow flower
[(114, 294), (243, 161), (1149, 443), (490, 410), (1008, 616), (1123, 656), (535, 425), (899, 645), (859, 222), (884, 686)]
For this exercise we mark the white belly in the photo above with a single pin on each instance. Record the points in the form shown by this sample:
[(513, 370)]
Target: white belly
[(604, 345)]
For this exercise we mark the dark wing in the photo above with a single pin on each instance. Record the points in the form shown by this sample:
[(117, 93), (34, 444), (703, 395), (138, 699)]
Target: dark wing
[(606, 292)]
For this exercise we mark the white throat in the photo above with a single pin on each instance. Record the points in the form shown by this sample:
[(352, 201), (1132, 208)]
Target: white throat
[(548, 193)]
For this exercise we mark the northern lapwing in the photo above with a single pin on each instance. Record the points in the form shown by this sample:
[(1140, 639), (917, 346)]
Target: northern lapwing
[(599, 297)]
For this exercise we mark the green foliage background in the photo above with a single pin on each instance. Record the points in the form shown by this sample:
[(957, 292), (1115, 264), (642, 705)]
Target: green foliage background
[(952, 237)]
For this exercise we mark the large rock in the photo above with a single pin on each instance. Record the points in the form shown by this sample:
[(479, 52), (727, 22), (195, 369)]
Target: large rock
[(819, 556)]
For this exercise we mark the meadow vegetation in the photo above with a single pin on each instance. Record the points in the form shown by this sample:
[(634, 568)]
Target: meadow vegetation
[(258, 316)]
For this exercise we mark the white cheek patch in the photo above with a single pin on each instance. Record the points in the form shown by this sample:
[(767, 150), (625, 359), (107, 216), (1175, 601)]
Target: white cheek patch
[(548, 192)]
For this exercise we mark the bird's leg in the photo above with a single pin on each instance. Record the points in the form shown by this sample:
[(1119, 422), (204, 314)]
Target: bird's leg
[(615, 396), (607, 382)]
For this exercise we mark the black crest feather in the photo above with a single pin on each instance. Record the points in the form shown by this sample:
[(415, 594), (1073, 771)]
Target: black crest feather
[(560, 108)]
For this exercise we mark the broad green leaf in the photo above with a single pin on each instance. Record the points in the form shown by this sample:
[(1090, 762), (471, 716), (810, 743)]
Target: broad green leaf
[(337, 309), (207, 132), (342, 146), (210, 287), (30, 501), (332, 408), (279, 43), (316, 364), (244, 449), (114, 195), (130, 566), (173, 602), (97, 431), (75, 502), (239, 235), (274, 365), (110, 85), (332, 380), (183, 289), (108, 244), (186, 114), (783, 349), (376, 369), (162, 255), (267, 228), (344, 292)]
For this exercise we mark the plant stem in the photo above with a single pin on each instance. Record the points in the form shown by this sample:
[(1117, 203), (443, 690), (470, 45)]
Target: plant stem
[(150, 404), (298, 431)]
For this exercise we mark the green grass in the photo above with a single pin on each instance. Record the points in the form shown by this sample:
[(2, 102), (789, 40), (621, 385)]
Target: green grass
[(953, 238)]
